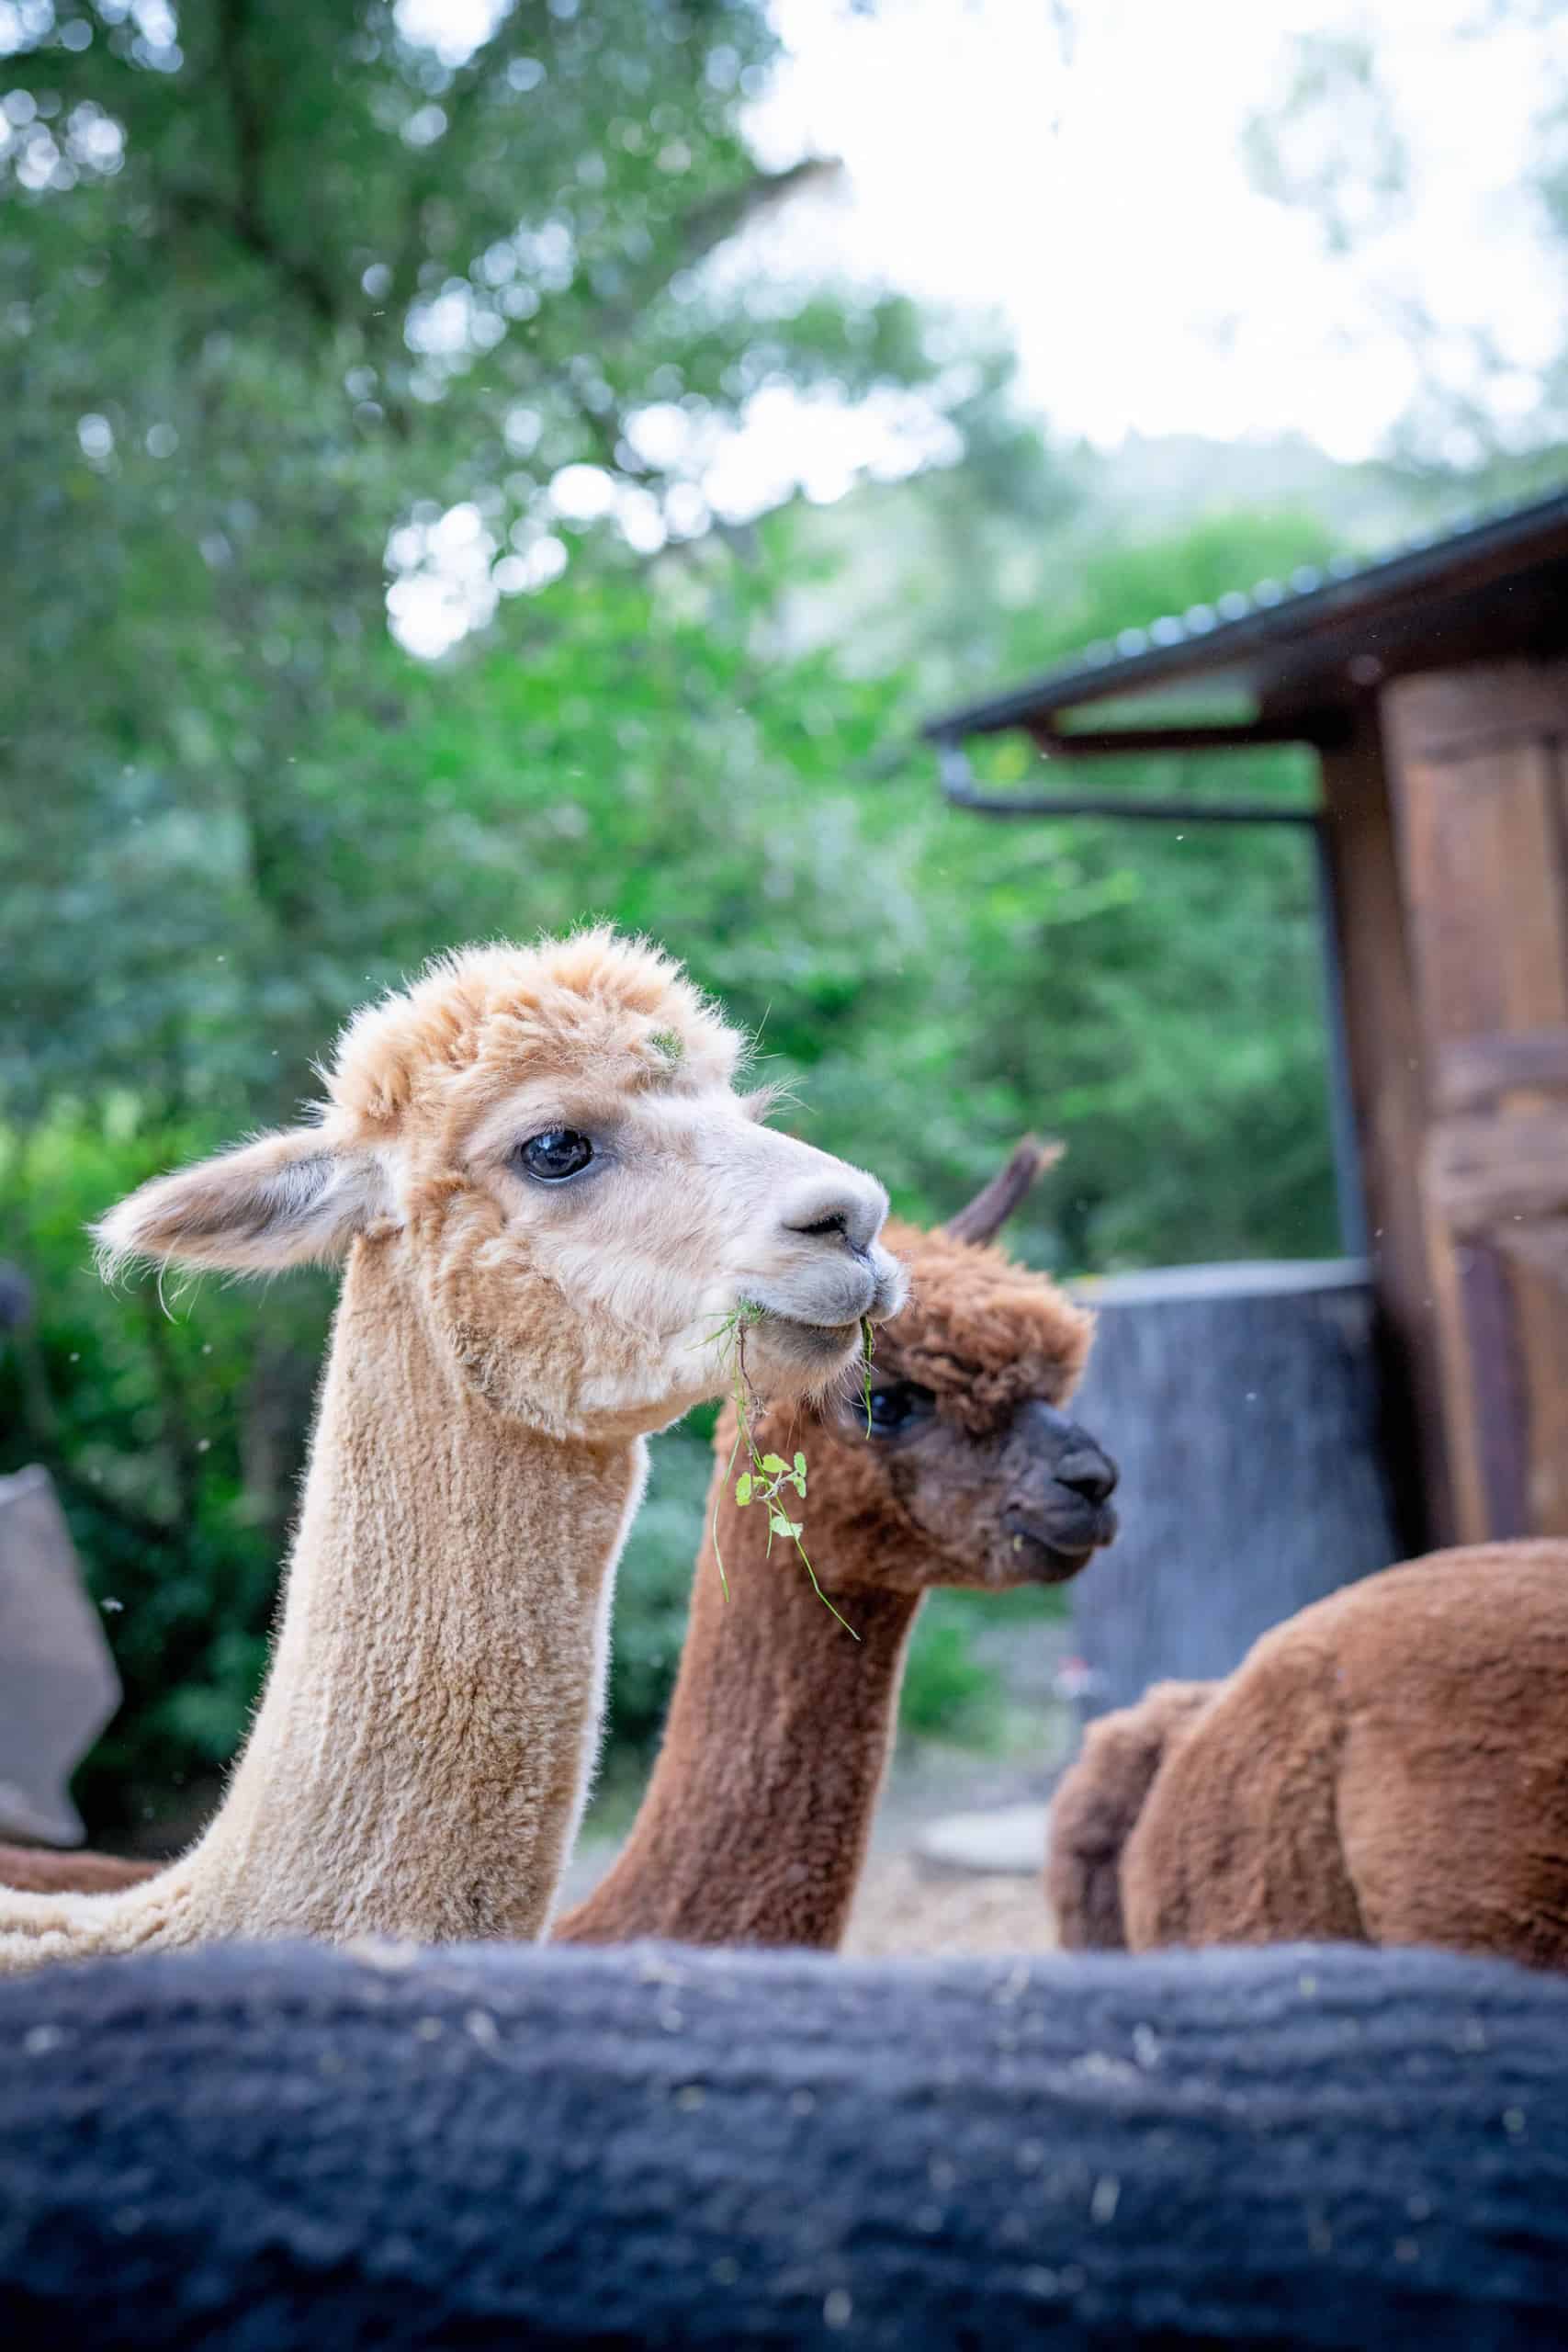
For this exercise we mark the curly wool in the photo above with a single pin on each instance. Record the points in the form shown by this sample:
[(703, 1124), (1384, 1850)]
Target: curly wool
[(982, 1332)]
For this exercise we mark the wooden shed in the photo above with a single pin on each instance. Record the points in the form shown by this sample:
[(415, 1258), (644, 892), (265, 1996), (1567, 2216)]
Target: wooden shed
[(1433, 687)]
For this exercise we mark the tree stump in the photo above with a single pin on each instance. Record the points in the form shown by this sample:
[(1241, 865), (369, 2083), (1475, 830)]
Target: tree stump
[(1242, 1403)]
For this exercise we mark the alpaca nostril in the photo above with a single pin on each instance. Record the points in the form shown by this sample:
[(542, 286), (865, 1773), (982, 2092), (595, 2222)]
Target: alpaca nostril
[(837, 1213), (834, 1228), (1088, 1473)]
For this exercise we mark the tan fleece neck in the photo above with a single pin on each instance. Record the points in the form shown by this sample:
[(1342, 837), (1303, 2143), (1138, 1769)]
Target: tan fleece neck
[(419, 1761)]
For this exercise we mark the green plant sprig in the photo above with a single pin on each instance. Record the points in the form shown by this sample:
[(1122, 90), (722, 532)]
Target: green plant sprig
[(769, 1476)]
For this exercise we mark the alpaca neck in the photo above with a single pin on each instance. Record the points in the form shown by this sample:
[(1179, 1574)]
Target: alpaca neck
[(754, 1826), (419, 1761)]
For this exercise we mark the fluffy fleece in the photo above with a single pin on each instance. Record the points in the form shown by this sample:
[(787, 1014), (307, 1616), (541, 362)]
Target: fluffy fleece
[(654, 2147), (981, 1333), (754, 1826), (771, 1854), (421, 1755), (1390, 1765), (1096, 1805)]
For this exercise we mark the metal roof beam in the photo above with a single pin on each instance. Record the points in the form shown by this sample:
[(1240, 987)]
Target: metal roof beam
[(1315, 730), (961, 791)]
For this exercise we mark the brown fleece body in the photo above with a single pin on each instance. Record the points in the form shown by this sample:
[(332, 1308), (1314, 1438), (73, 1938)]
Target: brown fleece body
[(1093, 1812), (1390, 1766), (754, 1826)]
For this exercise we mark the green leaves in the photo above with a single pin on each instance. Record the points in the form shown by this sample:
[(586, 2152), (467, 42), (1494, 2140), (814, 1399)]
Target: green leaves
[(769, 1473)]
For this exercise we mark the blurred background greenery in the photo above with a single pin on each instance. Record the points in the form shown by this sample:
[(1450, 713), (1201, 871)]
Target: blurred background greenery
[(361, 394)]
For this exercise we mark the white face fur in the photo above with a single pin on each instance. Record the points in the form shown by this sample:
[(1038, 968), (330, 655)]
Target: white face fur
[(616, 1236), (579, 1241)]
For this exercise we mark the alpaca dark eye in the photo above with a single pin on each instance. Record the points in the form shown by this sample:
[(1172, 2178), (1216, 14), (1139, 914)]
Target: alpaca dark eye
[(897, 1406), (559, 1152)]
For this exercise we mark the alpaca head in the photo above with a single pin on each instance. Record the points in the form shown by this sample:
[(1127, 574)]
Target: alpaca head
[(550, 1142), (971, 1472)]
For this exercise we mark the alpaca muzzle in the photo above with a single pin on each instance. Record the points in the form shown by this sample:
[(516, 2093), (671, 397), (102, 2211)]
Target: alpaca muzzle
[(836, 1292), (1061, 1513), (830, 1270)]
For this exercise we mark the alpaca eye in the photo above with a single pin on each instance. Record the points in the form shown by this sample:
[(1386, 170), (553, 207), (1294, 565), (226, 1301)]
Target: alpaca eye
[(559, 1152), (896, 1407)]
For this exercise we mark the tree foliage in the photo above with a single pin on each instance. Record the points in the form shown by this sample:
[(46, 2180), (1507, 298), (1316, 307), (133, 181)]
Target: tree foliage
[(1345, 142)]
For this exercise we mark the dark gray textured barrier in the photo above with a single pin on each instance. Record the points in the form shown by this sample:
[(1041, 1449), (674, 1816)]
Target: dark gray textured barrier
[(1241, 1402), (255, 2148)]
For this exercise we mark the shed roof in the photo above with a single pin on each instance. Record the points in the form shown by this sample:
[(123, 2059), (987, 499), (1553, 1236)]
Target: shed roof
[(1303, 649)]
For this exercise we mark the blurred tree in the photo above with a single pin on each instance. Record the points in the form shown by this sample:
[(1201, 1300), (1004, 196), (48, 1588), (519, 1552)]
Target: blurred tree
[(291, 299), (1341, 140)]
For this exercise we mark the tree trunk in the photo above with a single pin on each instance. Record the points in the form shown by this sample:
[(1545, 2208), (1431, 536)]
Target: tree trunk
[(1242, 1404)]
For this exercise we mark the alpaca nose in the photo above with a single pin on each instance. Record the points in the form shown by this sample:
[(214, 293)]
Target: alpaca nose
[(846, 1208), (1085, 1471), (1071, 1455)]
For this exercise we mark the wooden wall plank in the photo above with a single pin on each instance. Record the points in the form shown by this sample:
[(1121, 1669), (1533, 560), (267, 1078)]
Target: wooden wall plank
[(1385, 1052), (1473, 1071), (1476, 766), (1537, 1257)]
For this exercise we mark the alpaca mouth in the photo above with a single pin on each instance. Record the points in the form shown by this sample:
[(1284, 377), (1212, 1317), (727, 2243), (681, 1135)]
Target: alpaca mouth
[(827, 1308), (1052, 1551), (796, 1356), (825, 1340)]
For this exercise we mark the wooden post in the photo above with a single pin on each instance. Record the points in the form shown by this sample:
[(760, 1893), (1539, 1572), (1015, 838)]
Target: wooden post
[(1385, 1050), (1476, 759)]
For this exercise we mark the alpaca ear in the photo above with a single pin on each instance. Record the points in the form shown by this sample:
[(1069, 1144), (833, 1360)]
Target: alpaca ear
[(990, 1210), (286, 1200)]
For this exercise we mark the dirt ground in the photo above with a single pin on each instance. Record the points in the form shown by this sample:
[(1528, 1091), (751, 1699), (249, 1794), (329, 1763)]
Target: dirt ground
[(906, 1904), (905, 1907)]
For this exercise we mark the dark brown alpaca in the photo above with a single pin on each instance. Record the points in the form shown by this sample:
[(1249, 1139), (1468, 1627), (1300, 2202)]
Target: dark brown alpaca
[(1388, 1766), (753, 1828)]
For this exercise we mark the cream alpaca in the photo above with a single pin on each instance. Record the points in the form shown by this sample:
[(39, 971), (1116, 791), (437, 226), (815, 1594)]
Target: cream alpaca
[(549, 1197)]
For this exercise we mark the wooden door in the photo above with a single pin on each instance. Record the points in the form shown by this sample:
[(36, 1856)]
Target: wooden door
[(1478, 763)]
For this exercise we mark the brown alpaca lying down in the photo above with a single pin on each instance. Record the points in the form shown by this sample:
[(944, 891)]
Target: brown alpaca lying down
[(1388, 1766), (754, 1826)]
